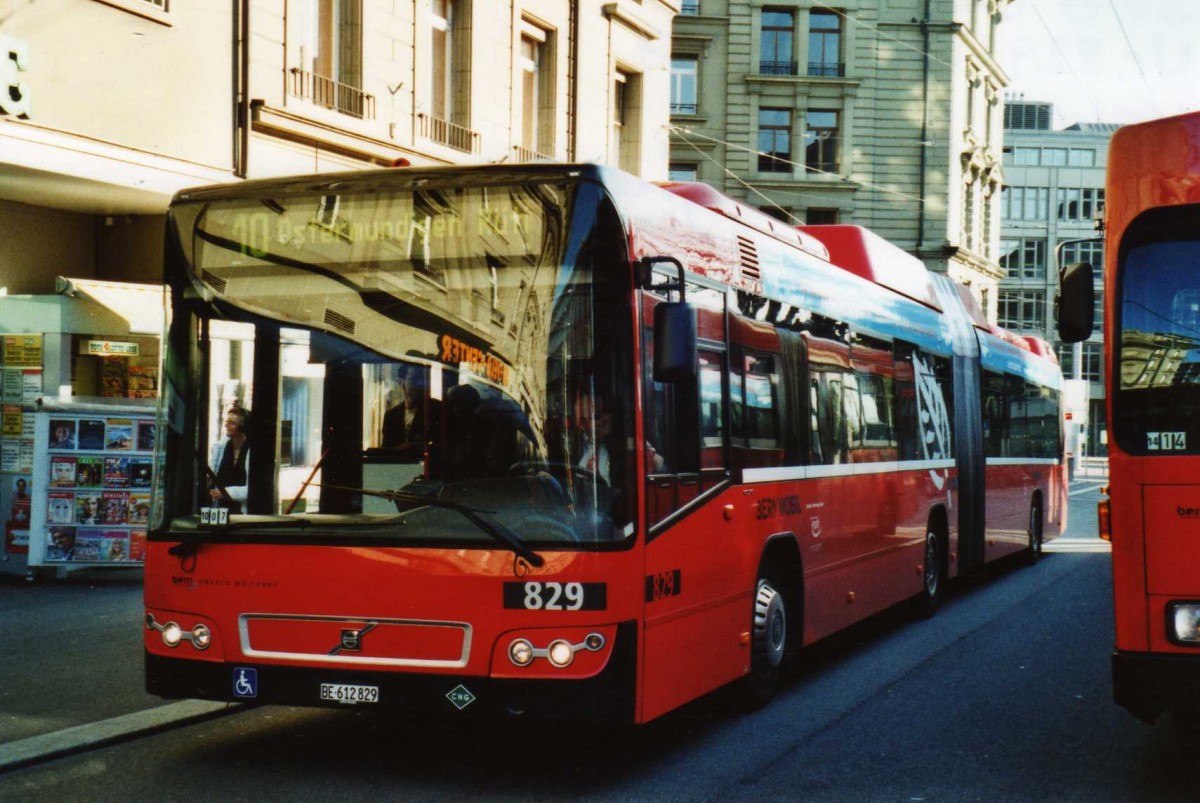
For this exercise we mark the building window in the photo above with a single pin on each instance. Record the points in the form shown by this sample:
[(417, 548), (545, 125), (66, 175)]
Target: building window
[(330, 72), (537, 93), (1082, 157), (682, 171), (1022, 310), (1087, 251), (1023, 258), (1024, 157), (775, 140), (441, 50), (825, 44), (683, 84), (778, 46), (820, 217), (821, 141), (1054, 157), (627, 99), (689, 8), (968, 217), (1025, 203), (1080, 204), (1093, 362)]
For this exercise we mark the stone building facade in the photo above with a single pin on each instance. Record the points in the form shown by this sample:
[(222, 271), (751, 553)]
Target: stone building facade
[(111, 106), (881, 113)]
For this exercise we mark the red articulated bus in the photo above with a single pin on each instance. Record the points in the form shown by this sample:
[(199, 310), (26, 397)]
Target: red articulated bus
[(551, 439), (1152, 361)]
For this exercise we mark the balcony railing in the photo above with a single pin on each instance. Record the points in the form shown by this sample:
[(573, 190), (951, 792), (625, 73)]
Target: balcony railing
[(824, 69), (523, 154), (332, 95), (447, 133), (683, 108), (777, 68)]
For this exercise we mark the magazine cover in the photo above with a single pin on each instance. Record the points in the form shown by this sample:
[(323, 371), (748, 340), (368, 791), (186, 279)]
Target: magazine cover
[(145, 436), (114, 507), (60, 507), (87, 546), (89, 472), (137, 545), (114, 546), (16, 539), (62, 433), (87, 508), (116, 472), (140, 471), (62, 472), (60, 543), (91, 433), (139, 508), (118, 434)]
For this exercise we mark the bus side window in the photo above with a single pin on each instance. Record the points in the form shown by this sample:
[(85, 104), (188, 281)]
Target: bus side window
[(852, 406), (905, 402), (996, 435)]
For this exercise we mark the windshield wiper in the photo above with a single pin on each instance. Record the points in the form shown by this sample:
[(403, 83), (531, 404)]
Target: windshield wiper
[(189, 544), (493, 528)]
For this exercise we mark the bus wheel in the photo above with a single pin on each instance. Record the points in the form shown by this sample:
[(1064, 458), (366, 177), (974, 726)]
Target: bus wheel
[(930, 598), (1034, 552), (768, 644)]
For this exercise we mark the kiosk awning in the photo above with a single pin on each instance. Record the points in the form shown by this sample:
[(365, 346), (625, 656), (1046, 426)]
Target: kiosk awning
[(139, 304)]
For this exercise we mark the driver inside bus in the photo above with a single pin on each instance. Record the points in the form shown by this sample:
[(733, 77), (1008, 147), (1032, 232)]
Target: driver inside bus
[(404, 424), (593, 423), (230, 460)]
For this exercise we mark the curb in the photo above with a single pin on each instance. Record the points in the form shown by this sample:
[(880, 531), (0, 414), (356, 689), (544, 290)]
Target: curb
[(127, 727)]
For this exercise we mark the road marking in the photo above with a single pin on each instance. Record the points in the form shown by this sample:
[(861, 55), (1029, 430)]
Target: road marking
[(1077, 545), (108, 731)]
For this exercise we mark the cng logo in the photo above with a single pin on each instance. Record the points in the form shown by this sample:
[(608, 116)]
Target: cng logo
[(460, 697)]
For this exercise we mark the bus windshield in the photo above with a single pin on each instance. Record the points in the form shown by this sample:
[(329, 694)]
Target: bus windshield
[(1157, 401), (408, 359)]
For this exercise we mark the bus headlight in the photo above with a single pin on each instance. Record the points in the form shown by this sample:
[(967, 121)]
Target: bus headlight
[(560, 653), (520, 652), (172, 634), (201, 637), (1184, 622)]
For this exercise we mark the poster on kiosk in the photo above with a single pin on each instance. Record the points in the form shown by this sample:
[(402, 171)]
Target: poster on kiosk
[(77, 410), (92, 471)]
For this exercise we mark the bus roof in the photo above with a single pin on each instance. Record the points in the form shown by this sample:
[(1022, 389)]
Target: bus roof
[(866, 254)]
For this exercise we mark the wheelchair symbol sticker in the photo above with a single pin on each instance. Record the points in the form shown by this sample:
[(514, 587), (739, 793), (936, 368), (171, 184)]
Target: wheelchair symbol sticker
[(245, 682)]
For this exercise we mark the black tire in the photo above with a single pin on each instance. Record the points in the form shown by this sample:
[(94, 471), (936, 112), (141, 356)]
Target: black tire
[(1033, 552), (934, 579), (768, 645)]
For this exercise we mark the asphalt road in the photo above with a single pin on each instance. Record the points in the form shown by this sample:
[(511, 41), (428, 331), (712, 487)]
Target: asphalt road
[(1003, 696)]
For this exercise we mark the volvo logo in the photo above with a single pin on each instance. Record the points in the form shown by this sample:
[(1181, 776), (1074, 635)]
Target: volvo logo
[(351, 640)]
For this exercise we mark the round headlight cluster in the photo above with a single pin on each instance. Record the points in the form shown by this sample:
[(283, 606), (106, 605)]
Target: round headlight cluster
[(172, 634), (520, 652), (560, 652)]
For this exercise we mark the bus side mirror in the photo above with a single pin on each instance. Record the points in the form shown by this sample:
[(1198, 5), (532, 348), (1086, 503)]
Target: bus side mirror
[(1076, 301), (674, 341)]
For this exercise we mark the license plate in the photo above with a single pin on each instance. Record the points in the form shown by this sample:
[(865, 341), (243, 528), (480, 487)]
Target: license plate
[(342, 693)]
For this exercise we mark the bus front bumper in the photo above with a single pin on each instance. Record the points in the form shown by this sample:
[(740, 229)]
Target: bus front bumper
[(1146, 684), (608, 696)]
